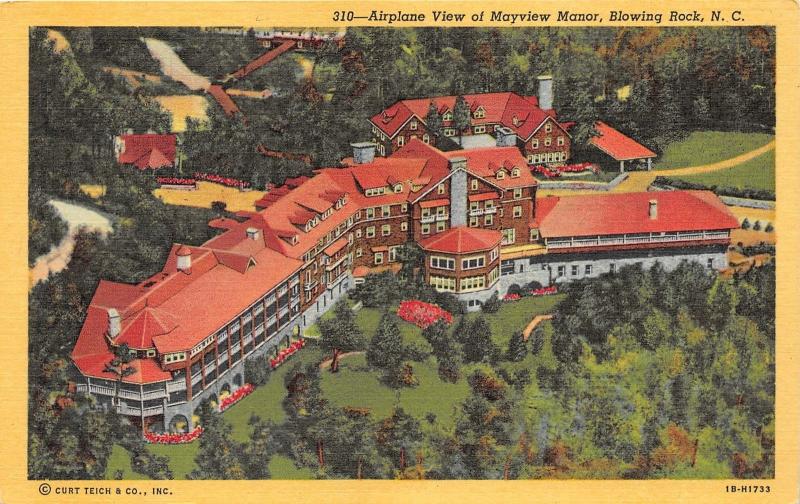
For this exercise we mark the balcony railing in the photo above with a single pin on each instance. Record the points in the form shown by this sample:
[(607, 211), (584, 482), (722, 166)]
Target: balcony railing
[(309, 286), (440, 218), (176, 386), (153, 410), (336, 280), (99, 389), (638, 238), (427, 219), (475, 211), (154, 394), (490, 210)]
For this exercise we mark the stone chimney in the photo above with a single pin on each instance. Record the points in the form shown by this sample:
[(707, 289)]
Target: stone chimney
[(114, 323), (363, 152), (458, 192), (652, 211), (545, 92), (184, 254), (252, 233), (505, 137)]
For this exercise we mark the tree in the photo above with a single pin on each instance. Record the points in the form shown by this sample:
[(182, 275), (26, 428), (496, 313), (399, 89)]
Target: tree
[(517, 347), (219, 456), (492, 305), (538, 340), (340, 333), (399, 436), (258, 451), (385, 351), (462, 116), (446, 349), (479, 346), (433, 123)]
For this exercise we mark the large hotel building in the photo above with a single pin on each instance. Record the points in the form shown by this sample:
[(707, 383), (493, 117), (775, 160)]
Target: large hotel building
[(271, 273)]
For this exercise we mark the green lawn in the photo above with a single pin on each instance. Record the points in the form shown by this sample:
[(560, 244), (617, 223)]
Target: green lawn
[(758, 173), (357, 385), (703, 147)]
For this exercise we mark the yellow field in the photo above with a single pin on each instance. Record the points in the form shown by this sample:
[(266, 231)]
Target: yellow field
[(183, 106), (207, 193), (94, 191), (249, 94), (132, 77)]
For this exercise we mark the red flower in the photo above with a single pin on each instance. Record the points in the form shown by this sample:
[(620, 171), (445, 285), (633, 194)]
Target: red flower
[(422, 314)]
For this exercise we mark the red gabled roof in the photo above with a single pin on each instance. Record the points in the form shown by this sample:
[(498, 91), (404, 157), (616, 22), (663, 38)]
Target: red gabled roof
[(335, 247), (617, 145), (461, 240), (138, 331), (627, 213), (521, 114), (148, 150)]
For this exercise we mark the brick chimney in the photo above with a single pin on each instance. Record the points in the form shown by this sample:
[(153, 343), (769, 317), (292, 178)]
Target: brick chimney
[(652, 211), (545, 92), (114, 323), (363, 152)]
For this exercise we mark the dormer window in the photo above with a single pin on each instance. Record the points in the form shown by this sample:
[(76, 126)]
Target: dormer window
[(480, 113), (501, 174), (398, 188), (548, 128), (440, 189), (515, 173), (474, 184), (448, 116), (413, 125)]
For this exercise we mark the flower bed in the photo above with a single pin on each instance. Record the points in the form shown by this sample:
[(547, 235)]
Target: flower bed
[(286, 353), (545, 291), (556, 171), (422, 314), (219, 179), (240, 393), (511, 297), (176, 181), (168, 438)]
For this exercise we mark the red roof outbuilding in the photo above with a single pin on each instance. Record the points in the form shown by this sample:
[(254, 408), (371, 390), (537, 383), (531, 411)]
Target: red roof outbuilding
[(148, 151), (617, 145)]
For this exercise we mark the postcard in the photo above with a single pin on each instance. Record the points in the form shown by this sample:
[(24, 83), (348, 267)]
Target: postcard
[(417, 251)]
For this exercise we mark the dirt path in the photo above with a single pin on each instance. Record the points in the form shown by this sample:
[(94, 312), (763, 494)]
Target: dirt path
[(641, 180), (327, 362), (77, 218), (538, 319), (173, 66)]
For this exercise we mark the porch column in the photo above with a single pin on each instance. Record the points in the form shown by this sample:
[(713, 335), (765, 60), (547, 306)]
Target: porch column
[(649, 164), (621, 166)]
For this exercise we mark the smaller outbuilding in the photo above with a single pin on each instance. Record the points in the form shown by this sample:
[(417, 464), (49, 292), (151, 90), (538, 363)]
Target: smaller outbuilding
[(620, 147)]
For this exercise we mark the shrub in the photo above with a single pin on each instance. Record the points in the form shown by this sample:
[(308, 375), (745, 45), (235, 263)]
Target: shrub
[(256, 370), (537, 342), (757, 226), (492, 305), (418, 351), (770, 228), (517, 348), (746, 223), (746, 192)]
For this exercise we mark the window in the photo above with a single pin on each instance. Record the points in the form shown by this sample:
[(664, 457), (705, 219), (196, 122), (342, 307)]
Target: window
[(440, 189), (574, 269), (426, 138), (530, 159), (473, 222), (473, 262), (426, 212), (479, 129), (560, 140), (501, 174), (404, 226), (371, 232), (441, 211), (515, 173), (378, 257), (413, 125), (473, 205), (534, 234), (358, 233), (386, 211), (449, 132), (494, 254), (488, 220), (401, 140), (398, 188), (443, 283), (509, 236), (440, 226), (359, 252), (473, 184), (386, 230), (506, 268), (426, 229), (404, 207), (447, 263), (493, 276), (448, 116), (587, 270), (517, 211), (548, 128), (370, 213), (393, 253), (535, 143), (518, 193), (710, 263), (562, 270), (489, 204), (548, 141), (473, 283)]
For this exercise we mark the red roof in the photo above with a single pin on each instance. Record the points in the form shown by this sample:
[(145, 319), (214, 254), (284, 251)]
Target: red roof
[(138, 331), (617, 145), (223, 99), (148, 151), (483, 196), (612, 214), (521, 114), (460, 240), (434, 203), (336, 247)]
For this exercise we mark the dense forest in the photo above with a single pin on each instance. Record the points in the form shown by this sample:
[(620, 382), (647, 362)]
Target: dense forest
[(679, 357)]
